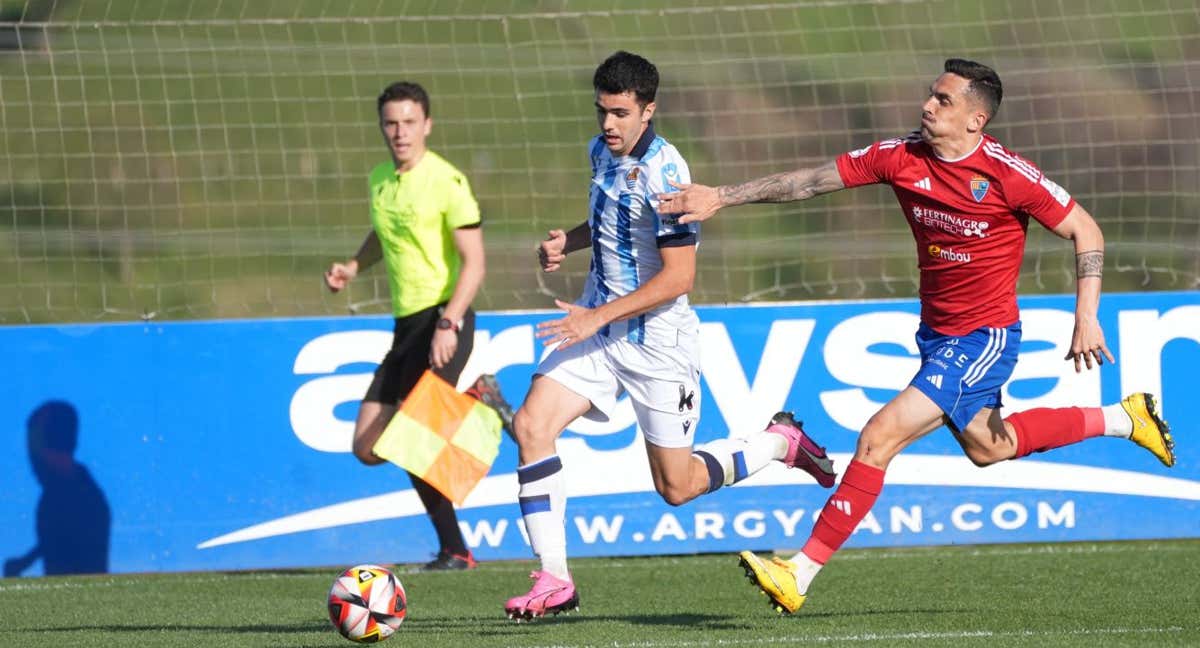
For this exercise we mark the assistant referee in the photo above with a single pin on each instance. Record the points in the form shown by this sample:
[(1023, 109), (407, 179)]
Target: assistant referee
[(426, 228)]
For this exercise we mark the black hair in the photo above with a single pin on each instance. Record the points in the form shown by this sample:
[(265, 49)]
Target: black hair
[(626, 72), (401, 90), (984, 82)]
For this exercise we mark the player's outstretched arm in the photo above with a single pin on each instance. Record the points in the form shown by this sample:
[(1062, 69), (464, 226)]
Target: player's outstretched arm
[(698, 202), (340, 274), (676, 278), (1087, 341), (558, 244)]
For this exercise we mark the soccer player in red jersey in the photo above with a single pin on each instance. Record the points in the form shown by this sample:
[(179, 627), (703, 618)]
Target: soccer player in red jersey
[(968, 201)]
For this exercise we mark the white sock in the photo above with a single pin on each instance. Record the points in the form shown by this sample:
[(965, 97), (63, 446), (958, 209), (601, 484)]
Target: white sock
[(740, 458), (543, 499), (1117, 422), (767, 444), (806, 571)]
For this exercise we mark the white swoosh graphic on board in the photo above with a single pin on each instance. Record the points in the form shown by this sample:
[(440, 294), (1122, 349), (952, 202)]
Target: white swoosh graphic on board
[(626, 471)]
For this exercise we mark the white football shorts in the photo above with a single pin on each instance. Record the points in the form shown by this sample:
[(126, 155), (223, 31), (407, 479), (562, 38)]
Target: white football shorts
[(663, 382)]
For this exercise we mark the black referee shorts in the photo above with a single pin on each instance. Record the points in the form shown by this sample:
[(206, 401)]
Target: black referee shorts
[(409, 355)]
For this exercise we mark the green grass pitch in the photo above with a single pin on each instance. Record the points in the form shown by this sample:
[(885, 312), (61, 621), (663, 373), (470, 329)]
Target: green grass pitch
[(1085, 594)]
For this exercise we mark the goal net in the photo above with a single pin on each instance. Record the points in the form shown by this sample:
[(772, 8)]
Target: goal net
[(208, 159)]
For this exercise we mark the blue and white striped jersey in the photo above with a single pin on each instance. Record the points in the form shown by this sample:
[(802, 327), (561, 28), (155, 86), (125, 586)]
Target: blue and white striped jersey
[(627, 233)]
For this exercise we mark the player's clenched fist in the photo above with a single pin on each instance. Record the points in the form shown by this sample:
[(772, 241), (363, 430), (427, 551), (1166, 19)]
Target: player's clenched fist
[(550, 252), (340, 274)]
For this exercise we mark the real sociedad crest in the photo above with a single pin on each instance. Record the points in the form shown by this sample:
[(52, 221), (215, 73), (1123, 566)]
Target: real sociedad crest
[(631, 178), (979, 187)]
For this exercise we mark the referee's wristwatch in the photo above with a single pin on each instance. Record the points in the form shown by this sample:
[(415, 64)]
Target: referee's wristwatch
[(446, 323)]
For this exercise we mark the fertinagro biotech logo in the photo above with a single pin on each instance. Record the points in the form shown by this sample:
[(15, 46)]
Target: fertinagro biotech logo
[(836, 365)]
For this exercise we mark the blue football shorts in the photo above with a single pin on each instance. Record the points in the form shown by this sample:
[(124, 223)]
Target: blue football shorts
[(963, 374)]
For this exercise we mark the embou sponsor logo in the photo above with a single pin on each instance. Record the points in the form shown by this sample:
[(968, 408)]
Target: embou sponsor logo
[(947, 254), (949, 222)]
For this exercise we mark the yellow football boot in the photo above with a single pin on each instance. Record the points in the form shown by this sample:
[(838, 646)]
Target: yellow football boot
[(1149, 431), (776, 579)]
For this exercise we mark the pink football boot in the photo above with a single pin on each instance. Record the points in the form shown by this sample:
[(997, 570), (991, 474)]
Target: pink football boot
[(802, 453), (549, 594)]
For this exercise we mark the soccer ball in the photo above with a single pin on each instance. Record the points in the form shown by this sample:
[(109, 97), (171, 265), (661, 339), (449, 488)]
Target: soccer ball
[(367, 604)]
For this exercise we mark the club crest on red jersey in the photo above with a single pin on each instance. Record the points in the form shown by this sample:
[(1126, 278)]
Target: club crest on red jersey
[(979, 187)]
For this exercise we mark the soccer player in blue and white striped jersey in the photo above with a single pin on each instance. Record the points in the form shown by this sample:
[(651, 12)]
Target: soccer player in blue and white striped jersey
[(631, 332)]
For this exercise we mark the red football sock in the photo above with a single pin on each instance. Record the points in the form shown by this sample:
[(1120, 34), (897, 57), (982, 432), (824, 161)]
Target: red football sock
[(1044, 428), (847, 507)]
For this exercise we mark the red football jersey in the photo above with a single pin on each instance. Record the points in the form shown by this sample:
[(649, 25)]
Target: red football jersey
[(969, 218)]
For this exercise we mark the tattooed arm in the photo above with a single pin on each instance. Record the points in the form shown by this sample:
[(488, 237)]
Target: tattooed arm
[(698, 202), (800, 184), (1089, 264), (1087, 342)]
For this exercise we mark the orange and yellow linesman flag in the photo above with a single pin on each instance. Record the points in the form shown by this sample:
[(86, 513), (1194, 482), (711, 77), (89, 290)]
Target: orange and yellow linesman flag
[(442, 436)]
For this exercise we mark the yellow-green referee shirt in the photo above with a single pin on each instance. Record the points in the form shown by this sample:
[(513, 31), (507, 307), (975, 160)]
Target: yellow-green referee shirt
[(414, 215)]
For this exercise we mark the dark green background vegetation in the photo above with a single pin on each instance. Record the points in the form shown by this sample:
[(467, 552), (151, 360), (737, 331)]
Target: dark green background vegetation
[(207, 159)]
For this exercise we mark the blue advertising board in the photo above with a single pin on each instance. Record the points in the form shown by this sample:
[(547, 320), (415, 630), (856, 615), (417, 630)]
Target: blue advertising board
[(226, 445)]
